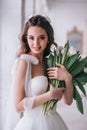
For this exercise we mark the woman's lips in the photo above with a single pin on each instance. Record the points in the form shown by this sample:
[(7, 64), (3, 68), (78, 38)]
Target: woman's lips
[(37, 48)]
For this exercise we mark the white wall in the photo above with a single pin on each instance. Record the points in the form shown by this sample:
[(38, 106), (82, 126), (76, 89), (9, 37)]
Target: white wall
[(65, 14), (10, 26)]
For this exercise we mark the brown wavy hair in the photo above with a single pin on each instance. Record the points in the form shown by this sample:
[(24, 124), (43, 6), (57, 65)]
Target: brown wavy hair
[(39, 21)]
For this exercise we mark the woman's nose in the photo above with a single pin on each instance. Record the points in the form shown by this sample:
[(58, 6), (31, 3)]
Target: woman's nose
[(36, 42)]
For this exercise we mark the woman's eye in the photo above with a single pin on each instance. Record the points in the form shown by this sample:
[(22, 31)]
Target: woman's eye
[(42, 37), (31, 38)]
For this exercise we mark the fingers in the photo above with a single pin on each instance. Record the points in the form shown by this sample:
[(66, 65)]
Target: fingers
[(53, 72), (58, 72), (59, 65), (56, 68), (51, 77), (51, 69)]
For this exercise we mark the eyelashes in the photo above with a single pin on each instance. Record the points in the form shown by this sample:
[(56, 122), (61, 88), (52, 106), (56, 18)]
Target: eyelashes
[(31, 38), (40, 37)]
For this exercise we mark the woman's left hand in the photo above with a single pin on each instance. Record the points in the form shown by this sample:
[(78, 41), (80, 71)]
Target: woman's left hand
[(59, 72)]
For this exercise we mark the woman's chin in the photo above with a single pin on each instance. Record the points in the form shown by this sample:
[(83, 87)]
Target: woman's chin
[(39, 51)]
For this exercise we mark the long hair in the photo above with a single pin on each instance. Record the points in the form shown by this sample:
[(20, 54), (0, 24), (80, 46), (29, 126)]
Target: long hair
[(39, 21)]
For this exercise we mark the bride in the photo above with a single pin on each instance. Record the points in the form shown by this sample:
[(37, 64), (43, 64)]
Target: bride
[(30, 83)]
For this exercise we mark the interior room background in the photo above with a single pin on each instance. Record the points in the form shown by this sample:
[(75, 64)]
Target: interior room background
[(65, 16)]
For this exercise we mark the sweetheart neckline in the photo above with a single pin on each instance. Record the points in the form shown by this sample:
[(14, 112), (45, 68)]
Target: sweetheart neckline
[(38, 77)]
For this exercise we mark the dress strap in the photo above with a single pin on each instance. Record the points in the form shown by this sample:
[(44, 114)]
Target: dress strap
[(29, 58), (24, 56)]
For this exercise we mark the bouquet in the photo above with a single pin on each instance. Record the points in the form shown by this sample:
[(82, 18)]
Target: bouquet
[(75, 65)]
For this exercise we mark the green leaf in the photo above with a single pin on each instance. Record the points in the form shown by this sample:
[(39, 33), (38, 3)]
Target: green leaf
[(80, 87), (62, 83), (59, 57), (74, 93), (50, 61), (73, 66), (66, 48), (53, 104), (79, 67), (81, 77), (53, 82), (78, 100), (71, 60), (55, 59)]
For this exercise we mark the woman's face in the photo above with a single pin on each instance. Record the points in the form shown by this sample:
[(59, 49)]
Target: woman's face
[(37, 39)]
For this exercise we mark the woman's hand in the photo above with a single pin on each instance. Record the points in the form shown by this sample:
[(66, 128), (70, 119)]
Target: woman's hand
[(59, 72), (56, 93)]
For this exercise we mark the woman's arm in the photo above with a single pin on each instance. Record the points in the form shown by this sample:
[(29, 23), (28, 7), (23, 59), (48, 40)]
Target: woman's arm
[(54, 93), (61, 73), (19, 93), (68, 94), (21, 101)]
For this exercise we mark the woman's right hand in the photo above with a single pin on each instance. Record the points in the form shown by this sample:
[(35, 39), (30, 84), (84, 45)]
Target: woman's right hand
[(56, 93)]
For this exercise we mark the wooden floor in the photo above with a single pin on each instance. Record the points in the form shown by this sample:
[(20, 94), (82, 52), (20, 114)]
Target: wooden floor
[(73, 118)]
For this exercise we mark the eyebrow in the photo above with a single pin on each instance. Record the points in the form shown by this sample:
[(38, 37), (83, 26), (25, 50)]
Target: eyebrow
[(38, 36)]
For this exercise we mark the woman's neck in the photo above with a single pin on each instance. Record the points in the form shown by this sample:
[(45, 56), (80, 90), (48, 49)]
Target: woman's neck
[(39, 56)]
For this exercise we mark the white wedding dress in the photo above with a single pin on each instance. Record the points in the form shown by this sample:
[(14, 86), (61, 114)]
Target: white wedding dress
[(34, 118)]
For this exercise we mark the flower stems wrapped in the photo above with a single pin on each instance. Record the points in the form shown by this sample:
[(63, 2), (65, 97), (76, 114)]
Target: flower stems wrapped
[(75, 65)]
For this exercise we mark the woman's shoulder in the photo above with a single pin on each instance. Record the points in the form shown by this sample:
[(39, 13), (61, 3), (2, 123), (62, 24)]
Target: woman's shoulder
[(24, 59), (18, 62), (29, 58)]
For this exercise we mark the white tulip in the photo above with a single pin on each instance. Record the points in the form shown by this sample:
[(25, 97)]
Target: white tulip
[(72, 51)]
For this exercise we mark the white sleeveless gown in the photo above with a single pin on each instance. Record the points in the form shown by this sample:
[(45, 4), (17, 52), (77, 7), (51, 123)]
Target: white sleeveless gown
[(34, 119)]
